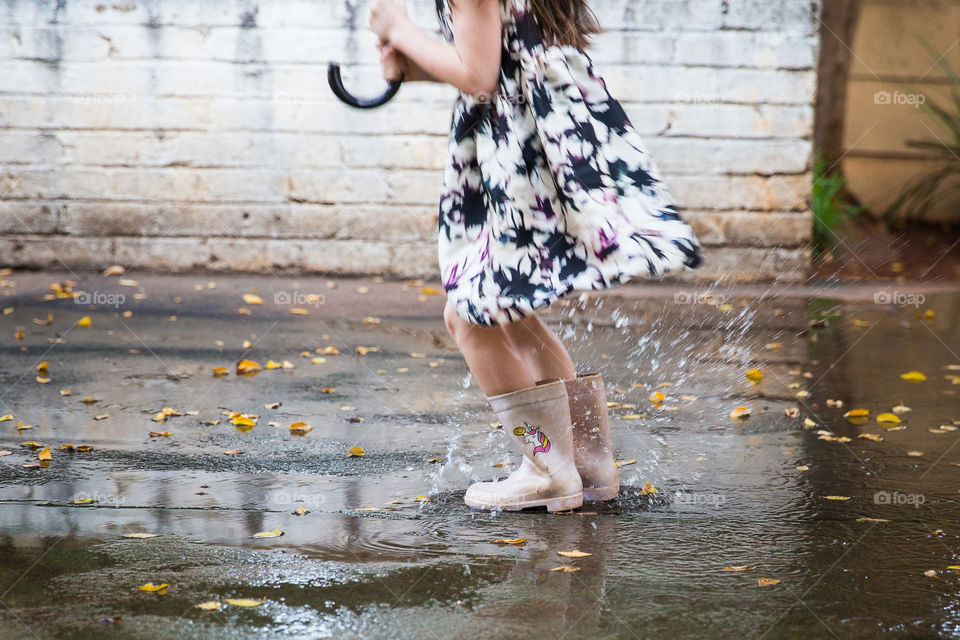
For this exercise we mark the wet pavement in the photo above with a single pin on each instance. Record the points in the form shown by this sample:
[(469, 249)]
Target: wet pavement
[(859, 533)]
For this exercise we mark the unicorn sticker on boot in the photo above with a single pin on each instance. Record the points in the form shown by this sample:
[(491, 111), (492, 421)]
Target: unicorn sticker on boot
[(533, 435)]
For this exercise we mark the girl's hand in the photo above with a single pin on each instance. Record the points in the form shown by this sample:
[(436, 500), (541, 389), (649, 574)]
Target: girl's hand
[(391, 62), (385, 15)]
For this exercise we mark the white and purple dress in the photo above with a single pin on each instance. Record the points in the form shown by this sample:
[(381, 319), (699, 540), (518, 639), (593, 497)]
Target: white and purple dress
[(547, 187)]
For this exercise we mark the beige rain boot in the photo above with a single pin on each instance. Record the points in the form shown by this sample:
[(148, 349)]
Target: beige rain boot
[(538, 418), (592, 448)]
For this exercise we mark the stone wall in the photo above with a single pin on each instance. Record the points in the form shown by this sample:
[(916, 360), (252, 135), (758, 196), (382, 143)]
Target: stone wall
[(174, 135)]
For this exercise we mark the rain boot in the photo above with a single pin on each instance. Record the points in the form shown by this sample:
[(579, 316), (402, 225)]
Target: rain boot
[(592, 448), (538, 419)]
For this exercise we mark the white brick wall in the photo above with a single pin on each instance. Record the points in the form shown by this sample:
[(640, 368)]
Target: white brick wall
[(202, 135)]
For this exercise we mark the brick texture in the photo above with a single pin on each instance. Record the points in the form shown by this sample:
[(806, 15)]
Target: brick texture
[(202, 136)]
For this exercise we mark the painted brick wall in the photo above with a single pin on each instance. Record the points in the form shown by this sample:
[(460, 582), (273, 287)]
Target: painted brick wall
[(177, 135)]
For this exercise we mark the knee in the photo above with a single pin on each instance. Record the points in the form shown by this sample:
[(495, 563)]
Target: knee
[(453, 322)]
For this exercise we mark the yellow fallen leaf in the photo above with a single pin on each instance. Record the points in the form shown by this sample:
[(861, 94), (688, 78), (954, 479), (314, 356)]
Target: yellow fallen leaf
[(6, 417), (656, 397), (754, 375), (871, 436), (23, 427), (913, 376), (766, 582), (44, 454), (857, 413), (252, 298), (242, 421), (901, 409), (244, 602), (866, 519), (83, 501), (576, 553), (89, 400), (269, 534), (888, 418), (431, 291), (355, 452), (43, 380), (807, 422), (300, 511), (247, 366), (623, 463), (565, 568), (32, 444), (271, 405), (741, 567), (152, 587), (84, 321), (633, 416), (219, 372), (160, 434), (5, 452), (915, 454), (515, 541), (803, 467), (233, 452), (648, 489), (271, 364), (422, 499), (300, 427), (740, 413), (213, 605), (837, 497), (299, 311), (142, 535)]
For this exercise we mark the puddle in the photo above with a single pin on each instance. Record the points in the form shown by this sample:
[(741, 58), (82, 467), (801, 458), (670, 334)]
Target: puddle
[(373, 560)]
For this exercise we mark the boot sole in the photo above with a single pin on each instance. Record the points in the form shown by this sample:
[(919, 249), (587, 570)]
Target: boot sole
[(600, 494), (565, 503)]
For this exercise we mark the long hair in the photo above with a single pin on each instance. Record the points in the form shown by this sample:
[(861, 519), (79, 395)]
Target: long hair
[(563, 22)]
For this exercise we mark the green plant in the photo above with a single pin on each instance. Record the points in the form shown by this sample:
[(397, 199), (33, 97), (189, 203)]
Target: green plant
[(920, 193), (830, 211)]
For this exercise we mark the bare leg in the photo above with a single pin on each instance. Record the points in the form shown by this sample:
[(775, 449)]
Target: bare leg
[(492, 359), (541, 349)]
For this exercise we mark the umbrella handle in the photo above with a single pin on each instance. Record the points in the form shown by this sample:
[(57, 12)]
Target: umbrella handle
[(336, 84)]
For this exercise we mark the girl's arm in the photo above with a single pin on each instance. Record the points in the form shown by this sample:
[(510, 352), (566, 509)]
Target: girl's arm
[(472, 64)]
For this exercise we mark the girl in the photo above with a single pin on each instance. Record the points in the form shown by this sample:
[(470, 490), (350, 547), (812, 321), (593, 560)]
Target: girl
[(547, 189)]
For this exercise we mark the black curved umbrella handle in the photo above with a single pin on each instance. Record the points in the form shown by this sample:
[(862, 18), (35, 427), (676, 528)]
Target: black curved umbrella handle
[(336, 84)]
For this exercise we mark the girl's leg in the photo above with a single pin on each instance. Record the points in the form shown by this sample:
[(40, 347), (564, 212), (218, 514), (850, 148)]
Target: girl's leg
[(489, 354), (540, 348)]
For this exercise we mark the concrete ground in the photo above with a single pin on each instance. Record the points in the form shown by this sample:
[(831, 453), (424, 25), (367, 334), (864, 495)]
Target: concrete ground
[(386, 547)]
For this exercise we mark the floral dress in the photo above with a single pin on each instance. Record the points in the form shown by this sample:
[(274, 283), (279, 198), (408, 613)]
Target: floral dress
[(547, 187)]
